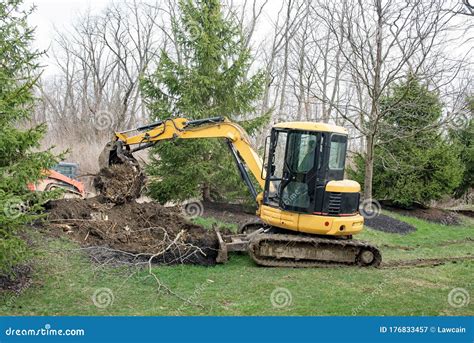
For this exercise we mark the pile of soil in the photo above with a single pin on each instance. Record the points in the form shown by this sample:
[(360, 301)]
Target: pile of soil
[(388, 224), (114, 226), (120, 183), (133, 229)]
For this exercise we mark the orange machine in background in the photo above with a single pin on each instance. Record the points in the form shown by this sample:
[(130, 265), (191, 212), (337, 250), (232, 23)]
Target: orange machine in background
[(54, 179)]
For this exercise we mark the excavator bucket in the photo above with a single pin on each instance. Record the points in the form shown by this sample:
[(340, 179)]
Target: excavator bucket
[(115, 152), (104, 157)]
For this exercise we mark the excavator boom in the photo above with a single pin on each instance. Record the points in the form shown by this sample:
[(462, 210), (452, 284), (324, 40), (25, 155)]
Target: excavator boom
[(121, 149)]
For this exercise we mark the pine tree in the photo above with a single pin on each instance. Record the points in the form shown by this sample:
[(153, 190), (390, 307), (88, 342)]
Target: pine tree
[(208, 79), (416, 163), (463, 135), (20, 163)]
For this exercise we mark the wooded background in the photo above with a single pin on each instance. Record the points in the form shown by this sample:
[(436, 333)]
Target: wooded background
[(329, 61)]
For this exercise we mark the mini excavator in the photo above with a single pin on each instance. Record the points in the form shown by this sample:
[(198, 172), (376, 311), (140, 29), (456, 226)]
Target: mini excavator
[(307, 212)]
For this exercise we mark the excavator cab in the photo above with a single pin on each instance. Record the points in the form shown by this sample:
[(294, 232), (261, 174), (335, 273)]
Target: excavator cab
[(304, 164), (300, 164)]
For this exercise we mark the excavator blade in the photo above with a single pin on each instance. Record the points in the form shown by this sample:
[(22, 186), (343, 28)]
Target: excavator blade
[(114, 152)]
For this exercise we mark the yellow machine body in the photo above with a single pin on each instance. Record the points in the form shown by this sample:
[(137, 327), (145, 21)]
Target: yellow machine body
[(182, 128)]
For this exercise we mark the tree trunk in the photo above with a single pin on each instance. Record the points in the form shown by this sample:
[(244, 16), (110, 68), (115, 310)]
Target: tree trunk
[(284, 116), (369, 168), (374, 113), (206, 192)]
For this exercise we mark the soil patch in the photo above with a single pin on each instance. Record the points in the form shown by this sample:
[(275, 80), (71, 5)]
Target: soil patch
[(388, 224), (137, 231), (120, 183)]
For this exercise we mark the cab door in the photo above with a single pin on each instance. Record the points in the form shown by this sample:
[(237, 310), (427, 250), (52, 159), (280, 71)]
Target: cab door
[(275, 174), (300, 172)]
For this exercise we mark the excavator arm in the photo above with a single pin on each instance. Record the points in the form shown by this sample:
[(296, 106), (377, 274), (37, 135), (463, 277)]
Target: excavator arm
[(125, 143)]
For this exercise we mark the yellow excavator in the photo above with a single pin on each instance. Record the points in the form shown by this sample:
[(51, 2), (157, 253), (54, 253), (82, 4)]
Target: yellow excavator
[(307, 212)]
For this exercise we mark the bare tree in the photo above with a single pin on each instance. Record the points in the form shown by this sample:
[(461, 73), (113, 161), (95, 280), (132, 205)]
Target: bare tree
[(100, 61), (247, 15), (325, 60), (380, 42)]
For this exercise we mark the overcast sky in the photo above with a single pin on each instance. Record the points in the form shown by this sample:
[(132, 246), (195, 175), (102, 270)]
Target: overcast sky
[(61, 13)]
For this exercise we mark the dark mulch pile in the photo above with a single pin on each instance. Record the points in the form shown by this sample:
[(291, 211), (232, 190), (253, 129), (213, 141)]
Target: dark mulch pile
[(388, 224), (467, 213), (435, 215)]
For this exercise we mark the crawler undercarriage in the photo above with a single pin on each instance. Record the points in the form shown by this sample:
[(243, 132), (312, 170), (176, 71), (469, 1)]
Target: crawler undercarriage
[(267, 247)]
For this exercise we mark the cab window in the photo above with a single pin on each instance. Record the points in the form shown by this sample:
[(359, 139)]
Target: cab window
[(302, 149), (337, 152)]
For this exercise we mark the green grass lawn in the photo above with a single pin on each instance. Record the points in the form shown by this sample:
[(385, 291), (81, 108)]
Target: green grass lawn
[(65, 281)]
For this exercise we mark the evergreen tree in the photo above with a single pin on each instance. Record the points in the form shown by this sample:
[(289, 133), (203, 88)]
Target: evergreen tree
[(415, 164), (20, 163), (208, 78), (464, 137)]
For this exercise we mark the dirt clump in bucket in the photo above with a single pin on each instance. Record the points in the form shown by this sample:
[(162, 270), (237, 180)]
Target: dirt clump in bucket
[(120, 183), (136, 231)]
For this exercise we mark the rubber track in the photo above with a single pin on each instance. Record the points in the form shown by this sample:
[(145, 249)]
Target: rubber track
[(274, 262)]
